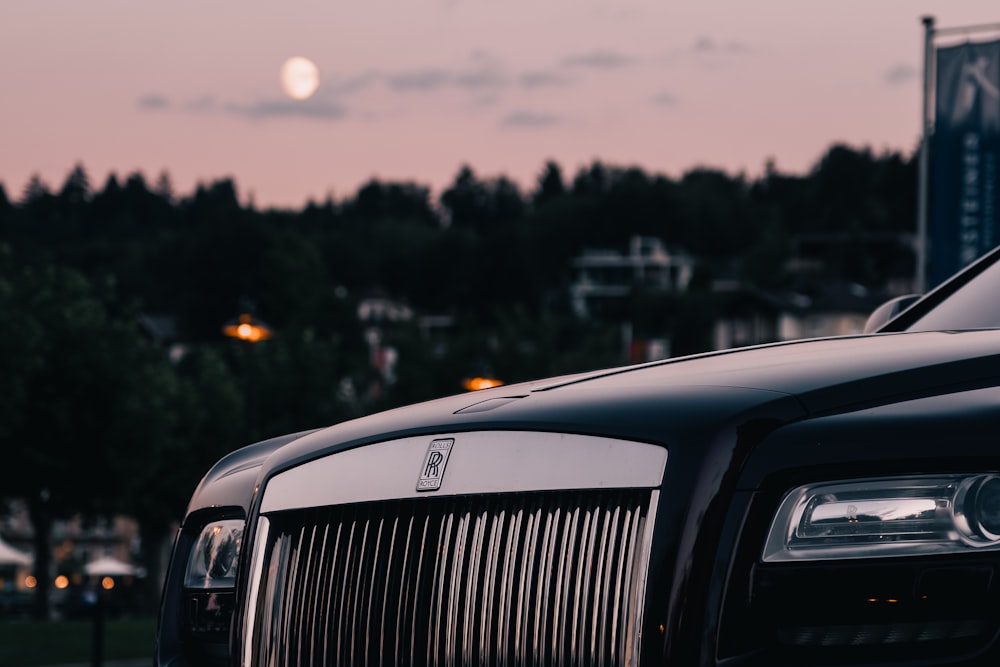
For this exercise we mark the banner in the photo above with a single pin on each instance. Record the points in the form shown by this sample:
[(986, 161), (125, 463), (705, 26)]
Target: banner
[(965, 219)]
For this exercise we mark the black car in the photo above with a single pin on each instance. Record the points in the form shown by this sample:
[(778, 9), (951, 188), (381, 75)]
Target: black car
[(823, 502)]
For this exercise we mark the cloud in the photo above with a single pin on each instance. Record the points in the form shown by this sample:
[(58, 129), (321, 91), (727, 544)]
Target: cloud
[(486, 101), (666, 99), (351, 85), (704, 45), (529, 119), (200, 104), (486, 77), (707, 45), (419, 80), (482, 76), (281, 108), (538, 79), (598, 60), (486, 71), (899, 74), (484, 58), (153, 102)]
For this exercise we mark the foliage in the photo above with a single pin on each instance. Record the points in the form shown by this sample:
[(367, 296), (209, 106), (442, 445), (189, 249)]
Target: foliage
[(84, 392), (86, 398)]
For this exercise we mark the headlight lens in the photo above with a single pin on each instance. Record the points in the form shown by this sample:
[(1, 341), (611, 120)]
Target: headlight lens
[(902, 516), (212, 564)]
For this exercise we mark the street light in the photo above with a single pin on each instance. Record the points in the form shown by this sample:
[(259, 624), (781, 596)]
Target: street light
[(478, 383), (248, 329), (481, 377)]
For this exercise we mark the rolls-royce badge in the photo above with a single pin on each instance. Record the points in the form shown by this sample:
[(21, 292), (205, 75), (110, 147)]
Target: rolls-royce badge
[(436, 459)]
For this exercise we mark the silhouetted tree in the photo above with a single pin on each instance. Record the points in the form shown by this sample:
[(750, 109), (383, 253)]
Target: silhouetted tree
[(202, 404), (76, 188), (34, 190), (6, 208), (164, 187), (591, 180), (466, 201), (391, 201), (550, 184), (716, 211), (83, 399)]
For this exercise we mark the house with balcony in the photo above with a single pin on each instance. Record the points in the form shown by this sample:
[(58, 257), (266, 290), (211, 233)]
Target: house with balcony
[(604, 278)]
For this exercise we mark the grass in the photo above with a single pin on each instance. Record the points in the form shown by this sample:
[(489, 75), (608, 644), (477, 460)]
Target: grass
[(32, 643)]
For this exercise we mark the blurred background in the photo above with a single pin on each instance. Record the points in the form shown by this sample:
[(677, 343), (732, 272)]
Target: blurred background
[(223, 223)]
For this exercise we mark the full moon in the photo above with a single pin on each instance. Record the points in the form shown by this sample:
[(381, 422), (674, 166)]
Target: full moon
[(299, 78)]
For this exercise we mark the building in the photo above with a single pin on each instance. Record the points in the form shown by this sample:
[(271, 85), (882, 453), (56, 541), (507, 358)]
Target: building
[(750, 316), (604, 278)]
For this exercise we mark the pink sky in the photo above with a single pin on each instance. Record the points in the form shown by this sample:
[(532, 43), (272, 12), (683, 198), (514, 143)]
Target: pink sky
[(412, 90)]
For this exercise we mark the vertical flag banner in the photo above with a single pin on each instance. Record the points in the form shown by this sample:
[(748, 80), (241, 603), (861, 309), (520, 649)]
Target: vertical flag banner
[(965, 219)]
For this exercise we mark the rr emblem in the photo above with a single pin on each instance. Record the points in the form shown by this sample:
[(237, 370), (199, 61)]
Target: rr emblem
[(436, 459)]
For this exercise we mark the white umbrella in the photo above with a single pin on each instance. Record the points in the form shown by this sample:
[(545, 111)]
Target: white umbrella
[(11, 556), (108, 566)]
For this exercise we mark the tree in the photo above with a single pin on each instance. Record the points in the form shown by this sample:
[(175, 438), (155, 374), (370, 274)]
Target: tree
[(76, 189), (6, 207), (466, 200), (392, 201), (201, 409), (550, 184), (84, 399), (716, 212), (35, 190), (164, 186)]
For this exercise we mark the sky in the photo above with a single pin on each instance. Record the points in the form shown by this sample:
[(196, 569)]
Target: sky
[(413, 90)]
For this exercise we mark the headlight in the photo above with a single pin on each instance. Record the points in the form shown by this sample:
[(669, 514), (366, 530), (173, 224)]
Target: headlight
[(213, 559), (210, 578), (902, 516)]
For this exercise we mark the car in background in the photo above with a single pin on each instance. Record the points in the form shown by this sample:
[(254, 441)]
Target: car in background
[(821, 502)]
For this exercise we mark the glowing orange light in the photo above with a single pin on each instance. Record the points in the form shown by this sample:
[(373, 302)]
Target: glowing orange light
[(246, 328), (30, 582), (477, 383), (62, 581), (107, 583)]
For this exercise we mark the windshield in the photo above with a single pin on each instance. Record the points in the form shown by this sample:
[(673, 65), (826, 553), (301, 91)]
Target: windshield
[(974, 305)]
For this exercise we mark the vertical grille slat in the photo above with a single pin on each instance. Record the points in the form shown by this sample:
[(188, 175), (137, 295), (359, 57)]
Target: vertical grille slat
[(387, 580), (328, 596), (561, 596), (318, 607), (490, 598), (344, 609), (618, 598), (543, 588), (583, 594), (600, 591), (517, 580)]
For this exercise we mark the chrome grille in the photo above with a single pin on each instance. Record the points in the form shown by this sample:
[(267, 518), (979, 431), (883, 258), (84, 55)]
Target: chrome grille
[(525, 579)]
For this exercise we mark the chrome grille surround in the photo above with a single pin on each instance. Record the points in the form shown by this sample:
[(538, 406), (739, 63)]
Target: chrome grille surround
[(527, 577)]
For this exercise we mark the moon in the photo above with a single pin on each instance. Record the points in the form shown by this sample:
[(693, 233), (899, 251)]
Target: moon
[(299, 78)]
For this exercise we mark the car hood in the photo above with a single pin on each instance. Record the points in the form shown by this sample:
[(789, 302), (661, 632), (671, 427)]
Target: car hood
[(687, 400), (827, 374)]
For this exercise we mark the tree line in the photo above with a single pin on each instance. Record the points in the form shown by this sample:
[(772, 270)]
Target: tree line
[(100, 419)]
